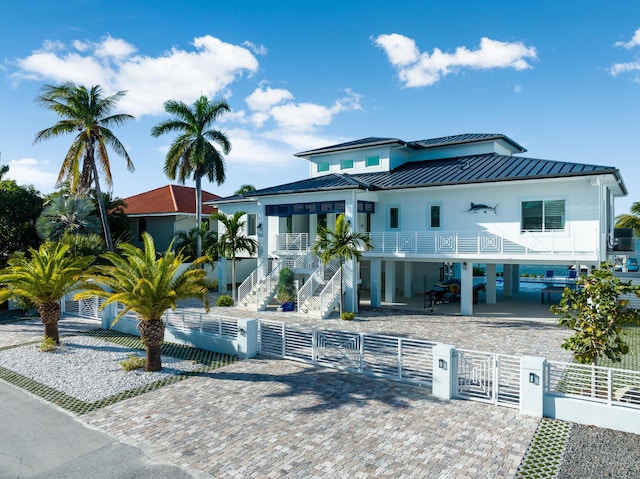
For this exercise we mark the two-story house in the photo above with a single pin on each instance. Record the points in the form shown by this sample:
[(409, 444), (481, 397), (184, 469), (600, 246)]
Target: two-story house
[(459, 200)]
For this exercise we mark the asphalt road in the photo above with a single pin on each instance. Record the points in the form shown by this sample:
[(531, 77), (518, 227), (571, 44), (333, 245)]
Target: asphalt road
[(37, 440)]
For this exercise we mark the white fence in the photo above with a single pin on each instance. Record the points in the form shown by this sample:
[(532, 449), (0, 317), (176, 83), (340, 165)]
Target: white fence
[(403, 359), (489, 377)]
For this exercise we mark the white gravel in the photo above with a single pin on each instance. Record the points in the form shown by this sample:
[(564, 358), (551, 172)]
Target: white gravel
[(87, 368)]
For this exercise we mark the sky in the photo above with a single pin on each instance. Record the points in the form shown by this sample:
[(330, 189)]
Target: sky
[(562, 78)]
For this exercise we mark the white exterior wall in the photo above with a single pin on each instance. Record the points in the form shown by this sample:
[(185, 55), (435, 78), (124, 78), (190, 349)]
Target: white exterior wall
[(359, 161)]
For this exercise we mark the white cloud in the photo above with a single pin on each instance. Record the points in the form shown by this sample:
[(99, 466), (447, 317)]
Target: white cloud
[(634, 42), (182, 74), (262, 99), (619, 68), (29, 171), (257, 49), (417, 69)]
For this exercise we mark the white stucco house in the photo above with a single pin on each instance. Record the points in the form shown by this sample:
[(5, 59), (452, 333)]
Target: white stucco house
[(455, 201)]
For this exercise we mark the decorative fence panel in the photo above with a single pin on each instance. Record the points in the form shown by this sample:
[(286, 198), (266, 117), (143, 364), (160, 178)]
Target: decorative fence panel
[(489, 377)]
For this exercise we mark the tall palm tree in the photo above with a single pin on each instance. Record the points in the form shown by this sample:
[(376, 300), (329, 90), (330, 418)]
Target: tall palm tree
[(67, 215), (85, 113), (232, 241), (342, 244), (193, 152), (148, 286), (43, 280), (630, 220), (186, 241)]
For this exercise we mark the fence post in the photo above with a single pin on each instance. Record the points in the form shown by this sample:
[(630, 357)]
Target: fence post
[(247, 338), (532, 385), (445, 371)]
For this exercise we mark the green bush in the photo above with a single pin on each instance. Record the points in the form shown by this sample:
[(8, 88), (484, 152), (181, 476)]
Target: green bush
[(347, 316), (224, 300), (286, 287), (478, 271), (47, 345), (132, 362)]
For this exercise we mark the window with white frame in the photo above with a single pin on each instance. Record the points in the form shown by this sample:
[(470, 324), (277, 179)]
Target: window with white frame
[(372, 161), (393, 217), (346, 164), (434, 216), (543, 215), (252, 224), (323, 166)]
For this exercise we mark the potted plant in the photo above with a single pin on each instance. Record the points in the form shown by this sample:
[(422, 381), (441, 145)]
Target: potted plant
[(286, 290)]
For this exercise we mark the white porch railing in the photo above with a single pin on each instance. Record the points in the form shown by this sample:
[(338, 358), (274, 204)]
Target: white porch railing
[(483, 243), (330, 292)]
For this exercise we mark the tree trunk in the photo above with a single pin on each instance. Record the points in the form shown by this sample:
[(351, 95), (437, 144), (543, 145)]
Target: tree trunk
[(152, 336), (233, 280), (341, 280), (50, 315), (198, 215), (101, 207)]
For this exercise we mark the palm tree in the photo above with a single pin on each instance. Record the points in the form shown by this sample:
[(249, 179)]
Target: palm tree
[(233, 241), (244, 189), (186, 242), (86, 114), (43, 280), (67, 215), (342, 244), (630, 220), (116, 216), (147, 286), (194, 151)]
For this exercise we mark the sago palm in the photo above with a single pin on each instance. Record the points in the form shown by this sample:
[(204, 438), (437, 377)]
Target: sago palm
[(43, 279), (194, 152), (148, 286), (232, 241), (342, 244), (85, 113)]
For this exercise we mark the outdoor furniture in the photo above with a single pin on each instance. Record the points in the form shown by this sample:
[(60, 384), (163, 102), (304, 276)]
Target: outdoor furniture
[(550, 289)]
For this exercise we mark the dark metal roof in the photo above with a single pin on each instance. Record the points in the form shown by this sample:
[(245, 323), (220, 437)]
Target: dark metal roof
[(363, 143), (451, 171), (464, 138), (415, 145)]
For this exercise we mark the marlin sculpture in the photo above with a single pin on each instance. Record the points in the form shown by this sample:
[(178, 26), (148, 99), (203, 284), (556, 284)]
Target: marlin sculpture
[(475, 208)]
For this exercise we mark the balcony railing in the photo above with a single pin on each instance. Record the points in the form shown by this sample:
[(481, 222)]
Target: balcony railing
[(583, 244)]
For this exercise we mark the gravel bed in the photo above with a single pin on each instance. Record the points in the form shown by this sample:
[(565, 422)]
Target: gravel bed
[(594, 452), (87, 368)]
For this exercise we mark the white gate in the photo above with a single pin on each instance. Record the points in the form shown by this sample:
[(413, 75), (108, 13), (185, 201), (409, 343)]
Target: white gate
[(489, 377), (402, 359)]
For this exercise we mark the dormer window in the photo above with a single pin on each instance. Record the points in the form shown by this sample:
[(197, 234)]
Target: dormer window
[(346, 164), (323, 166), (372, 161)]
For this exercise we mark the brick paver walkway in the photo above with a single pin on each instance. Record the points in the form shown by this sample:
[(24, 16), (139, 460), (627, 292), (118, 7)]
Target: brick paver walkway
[(266, 418)]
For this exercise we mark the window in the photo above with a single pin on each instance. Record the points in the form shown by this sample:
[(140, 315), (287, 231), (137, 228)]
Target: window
[(323, 166), (543, 215), (394, 218), (346, 164), (142, 227), (434, 216), (252, 225), (373, 161)]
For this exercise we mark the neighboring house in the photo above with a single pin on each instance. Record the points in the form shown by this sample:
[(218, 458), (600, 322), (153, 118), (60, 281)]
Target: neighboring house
[(165, 211), (429, 206)]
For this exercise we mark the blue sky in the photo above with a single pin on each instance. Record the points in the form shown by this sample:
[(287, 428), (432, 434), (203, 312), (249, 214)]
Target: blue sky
[(560, 77)]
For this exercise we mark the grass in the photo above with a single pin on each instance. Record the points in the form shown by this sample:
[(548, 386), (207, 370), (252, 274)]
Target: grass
[(210, 361), (631, 360)]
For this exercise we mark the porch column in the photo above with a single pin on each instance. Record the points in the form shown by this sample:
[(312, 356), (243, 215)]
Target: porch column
[(490, 293), (408, 279), (390, 281), (515, 278), (263, 241), (466, 287), (506, 280), (351, 287), (222, 274), (375, 270)]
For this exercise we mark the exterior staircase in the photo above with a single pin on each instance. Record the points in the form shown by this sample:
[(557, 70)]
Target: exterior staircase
[(321, 293), (256, 293)]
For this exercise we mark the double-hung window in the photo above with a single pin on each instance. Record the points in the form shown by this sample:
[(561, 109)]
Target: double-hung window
[(252, 225), (547, 215)]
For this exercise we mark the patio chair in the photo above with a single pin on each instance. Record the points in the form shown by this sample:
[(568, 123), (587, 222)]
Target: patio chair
[(549, 274), (573, 274)]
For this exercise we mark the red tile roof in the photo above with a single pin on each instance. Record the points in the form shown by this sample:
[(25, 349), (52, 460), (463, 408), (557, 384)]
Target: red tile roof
[(170, 199)]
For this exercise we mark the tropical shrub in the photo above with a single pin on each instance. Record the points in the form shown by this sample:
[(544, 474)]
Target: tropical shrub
[(286, 287), (225, 301), (347, 316)]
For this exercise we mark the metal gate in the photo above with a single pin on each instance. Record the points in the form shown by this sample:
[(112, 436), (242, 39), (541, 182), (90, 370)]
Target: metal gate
[(489, 377), (403, 359)]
